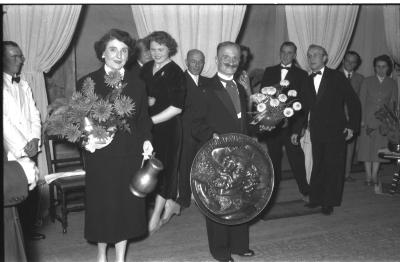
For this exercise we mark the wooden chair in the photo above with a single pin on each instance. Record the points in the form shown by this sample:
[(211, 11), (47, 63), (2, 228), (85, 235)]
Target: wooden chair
[(66, 192)]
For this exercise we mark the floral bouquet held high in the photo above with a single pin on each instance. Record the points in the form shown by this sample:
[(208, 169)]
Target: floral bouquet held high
[(91, 119), (274, 103)]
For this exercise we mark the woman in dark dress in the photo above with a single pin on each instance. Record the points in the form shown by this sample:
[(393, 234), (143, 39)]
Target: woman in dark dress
[(113, 214), (163, 79)]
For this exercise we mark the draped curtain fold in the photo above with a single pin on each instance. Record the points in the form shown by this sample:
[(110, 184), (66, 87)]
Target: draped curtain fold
[(192, 26), (329, 26), (43, 33), (391, 18)]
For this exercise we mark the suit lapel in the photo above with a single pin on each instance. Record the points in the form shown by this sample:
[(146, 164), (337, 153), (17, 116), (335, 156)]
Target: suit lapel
[(323, 85), (223, 95)]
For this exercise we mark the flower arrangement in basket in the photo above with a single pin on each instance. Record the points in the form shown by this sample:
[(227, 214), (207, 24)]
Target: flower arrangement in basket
[(390, 124), (86, 115), (273, 104)]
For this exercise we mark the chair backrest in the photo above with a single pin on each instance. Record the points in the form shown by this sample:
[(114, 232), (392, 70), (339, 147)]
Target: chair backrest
[(73, 159)]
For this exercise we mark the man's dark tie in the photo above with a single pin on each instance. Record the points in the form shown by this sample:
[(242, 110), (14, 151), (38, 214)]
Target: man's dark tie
[(15, 79), (233, 93), (349, 76), (285, 67), (316, 73)]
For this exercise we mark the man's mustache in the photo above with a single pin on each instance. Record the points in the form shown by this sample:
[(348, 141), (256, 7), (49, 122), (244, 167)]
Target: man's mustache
[(232, 66)]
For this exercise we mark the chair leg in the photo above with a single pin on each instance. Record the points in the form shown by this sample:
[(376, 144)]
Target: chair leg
[(52, 208), (64, 213)]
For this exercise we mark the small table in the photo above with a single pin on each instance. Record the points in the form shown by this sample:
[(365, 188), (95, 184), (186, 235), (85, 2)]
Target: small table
[(386, 154)]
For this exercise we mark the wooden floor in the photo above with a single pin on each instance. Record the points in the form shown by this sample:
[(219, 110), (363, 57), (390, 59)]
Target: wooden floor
[(365, 228)]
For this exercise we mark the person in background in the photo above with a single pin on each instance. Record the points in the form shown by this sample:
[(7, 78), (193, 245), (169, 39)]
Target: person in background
[(323, 97), (376, 91), (224, 111), (242, 75), (17, 176), (350, 64), (163, 78), (281, 135), (142, 52), (113, 214), (194, 83), (21, 128)]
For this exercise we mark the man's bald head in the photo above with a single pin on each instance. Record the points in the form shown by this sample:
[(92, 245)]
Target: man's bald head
[(195, 61)]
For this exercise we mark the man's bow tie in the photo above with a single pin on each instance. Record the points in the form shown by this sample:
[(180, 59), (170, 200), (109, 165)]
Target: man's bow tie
[(285, 67), (15, 79), (316, 73)]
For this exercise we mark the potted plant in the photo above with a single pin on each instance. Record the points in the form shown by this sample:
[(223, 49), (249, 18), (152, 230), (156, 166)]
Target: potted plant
[(389, 116)]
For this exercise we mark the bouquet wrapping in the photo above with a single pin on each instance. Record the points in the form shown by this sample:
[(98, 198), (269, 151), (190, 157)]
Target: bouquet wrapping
[(88, 116), (274, 103), (389, 116)]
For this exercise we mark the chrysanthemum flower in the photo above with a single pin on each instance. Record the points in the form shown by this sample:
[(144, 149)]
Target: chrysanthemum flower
[(88, 85), (284, 83), (282, 98), (124, 106), (292, 93), (261, 107), (257, 97), (268, 90), (288, 112), (296, 106), (274, 102), (72, 132), (101, 110), (113, 79), (99, 132)]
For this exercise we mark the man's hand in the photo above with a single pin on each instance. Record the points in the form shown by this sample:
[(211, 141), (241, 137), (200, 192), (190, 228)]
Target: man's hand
[(294, 139), (349, 134), (152, 101), (31, 148), (244, 80)]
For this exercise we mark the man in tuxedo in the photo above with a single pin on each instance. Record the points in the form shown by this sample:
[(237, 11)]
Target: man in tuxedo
[(281, 135), (224, 111), (194, 99), (351, 62), (324, 96), (21, 127)]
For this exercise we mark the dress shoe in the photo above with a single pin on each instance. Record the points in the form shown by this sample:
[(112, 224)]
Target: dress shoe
[(327, 210), (311, 205), (248, 253), (36, 236), (350, 179)]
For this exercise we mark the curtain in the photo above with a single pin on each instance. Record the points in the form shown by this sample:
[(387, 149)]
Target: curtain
[(43, 33), (327, 25), (391, 18), (192, 26)]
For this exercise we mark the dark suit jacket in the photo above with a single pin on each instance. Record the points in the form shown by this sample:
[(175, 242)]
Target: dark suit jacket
[(218, 114), (15, 186), (296, 77), (194, 100), (328, 119), (356, 80)]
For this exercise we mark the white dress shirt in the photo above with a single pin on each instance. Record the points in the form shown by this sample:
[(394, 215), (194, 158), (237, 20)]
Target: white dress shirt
[(284, 71), (21, 118), (347, 73), (317, 80), (229, 78), (194, 77)]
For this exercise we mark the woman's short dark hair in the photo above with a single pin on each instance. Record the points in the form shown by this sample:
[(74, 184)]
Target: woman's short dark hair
[(384, 58), (163, 38), (100, 46)]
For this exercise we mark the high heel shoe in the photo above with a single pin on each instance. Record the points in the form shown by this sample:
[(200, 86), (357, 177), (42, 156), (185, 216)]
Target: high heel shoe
[(171, 208), (154, 226)]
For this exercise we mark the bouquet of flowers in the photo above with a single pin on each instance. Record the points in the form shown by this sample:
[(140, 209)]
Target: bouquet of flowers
[(86, 115), (390, 122), (273, 104)]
